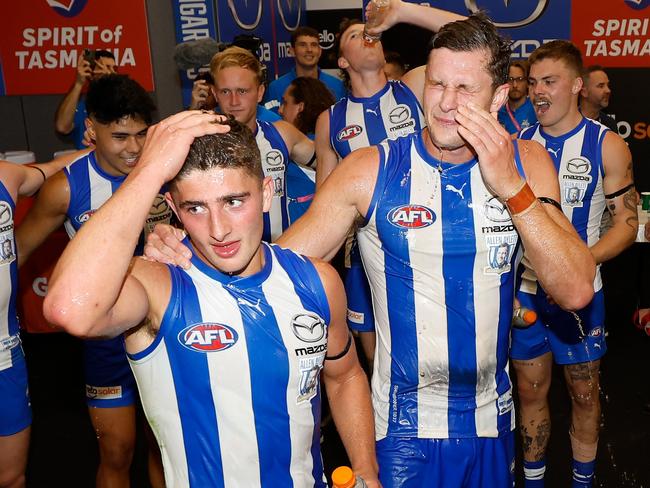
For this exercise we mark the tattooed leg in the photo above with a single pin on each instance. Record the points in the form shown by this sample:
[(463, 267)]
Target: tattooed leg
[(533, 382)]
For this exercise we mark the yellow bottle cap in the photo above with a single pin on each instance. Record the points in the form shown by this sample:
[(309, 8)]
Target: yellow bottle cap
[(343, 477)]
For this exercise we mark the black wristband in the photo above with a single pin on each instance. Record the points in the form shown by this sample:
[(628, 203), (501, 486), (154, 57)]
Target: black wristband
[(619, 192), (550, 201), (39, 170), (343, 352)]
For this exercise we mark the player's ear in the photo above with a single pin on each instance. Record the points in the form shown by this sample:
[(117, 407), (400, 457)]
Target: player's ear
[(267, 193), (342, 63), (577, 85), (260, 92), (170, 202), (90, 128), (500, 97)]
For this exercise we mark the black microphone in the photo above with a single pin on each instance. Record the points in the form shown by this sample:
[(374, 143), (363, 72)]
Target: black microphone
[(194, 54)]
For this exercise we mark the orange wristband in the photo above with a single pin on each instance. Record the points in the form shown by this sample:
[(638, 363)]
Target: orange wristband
[(520, 201)]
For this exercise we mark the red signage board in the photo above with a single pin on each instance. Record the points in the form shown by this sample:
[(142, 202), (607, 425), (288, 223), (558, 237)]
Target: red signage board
[(612, 33), (41, 41)]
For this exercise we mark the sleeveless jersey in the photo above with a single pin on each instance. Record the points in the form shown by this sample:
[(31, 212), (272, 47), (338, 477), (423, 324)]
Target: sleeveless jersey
[(275, 159), (230, 385), (577, 156), (9, 338), (91, 187), (439, 251), (392, 112)]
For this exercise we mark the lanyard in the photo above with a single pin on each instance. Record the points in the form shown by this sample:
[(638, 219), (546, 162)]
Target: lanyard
[(512, 117)]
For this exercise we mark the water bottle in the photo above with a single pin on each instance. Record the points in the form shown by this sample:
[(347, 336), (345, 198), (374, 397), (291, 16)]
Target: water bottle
[(343, 477), (375, 15), (523, 317)]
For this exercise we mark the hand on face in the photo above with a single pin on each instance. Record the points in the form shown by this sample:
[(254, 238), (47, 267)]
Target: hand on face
[(84, 72), (168, 142), (493, 146)]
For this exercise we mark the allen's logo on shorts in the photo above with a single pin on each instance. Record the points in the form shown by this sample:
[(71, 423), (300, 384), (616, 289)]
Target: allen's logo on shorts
[(103, 392)]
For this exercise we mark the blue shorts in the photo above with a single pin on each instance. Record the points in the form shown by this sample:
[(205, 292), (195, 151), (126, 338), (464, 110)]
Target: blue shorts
[(558, 331), (109, 379), (357, 289), (408, 462), (15, 408)]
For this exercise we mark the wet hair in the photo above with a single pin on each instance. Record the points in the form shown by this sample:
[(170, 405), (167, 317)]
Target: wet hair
[(112, 97), (474, 33), (237, 57), (315, 96), (104, 53), (235, 149), (522, 64), (303, 30), (336, 50), (559, 50)]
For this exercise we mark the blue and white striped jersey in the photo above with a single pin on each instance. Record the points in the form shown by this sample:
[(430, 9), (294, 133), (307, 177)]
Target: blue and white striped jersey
[(577, 156), (275, 160), (91, 187), (230, 385), (439, 251), (9, 338), (392, 112)]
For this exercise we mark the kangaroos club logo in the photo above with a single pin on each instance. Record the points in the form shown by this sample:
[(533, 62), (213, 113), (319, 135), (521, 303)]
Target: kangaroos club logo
[(510, 13), (246, 13), (411, 216), (69, 8), (208, 337)]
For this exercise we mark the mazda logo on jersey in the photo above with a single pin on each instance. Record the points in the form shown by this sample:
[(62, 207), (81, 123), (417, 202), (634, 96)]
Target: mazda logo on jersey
[(520, 13), (308, 327), (274, 158), (411, 216), (5, 214), (208, 337), (399, 114), (159, 206), (85, 216), (67, 8), (290, 12), (578, 166), (496, 211), (348, 132), (246, 13)]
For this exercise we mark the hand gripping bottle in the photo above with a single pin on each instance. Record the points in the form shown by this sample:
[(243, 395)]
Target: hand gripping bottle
[(343, 477), (374, 16), (523, 317)]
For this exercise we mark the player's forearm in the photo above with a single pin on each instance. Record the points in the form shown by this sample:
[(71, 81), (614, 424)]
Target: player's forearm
[(64, 118), (90, 274), (426, 17), (618, 238), (562, 262), (352, 413)]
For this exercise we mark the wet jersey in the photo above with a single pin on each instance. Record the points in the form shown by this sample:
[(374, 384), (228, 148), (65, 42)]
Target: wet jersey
[(392, 112), (577, 156), (91, 187), (9, 338), (230, 385), (439, 251), (275, 160)]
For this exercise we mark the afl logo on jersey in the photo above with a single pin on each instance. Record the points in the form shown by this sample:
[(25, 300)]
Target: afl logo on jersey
[(411, 216), (348, 132), (208, 337), (83, 218)]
